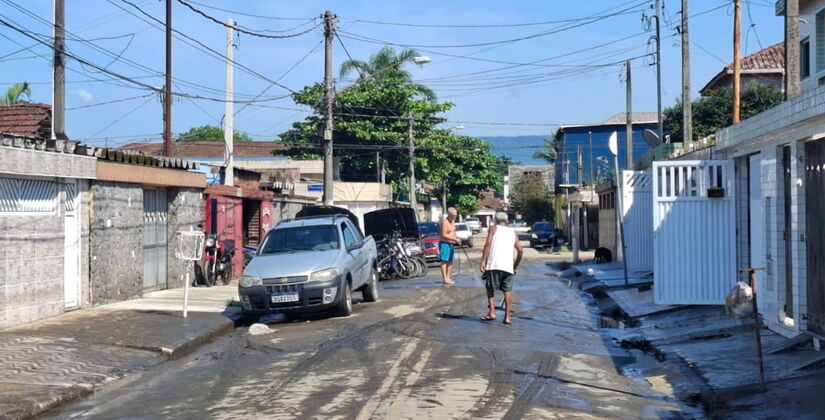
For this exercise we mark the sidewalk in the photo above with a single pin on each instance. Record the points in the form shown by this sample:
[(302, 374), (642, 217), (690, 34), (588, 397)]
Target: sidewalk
[(53, 361), (718, 350)]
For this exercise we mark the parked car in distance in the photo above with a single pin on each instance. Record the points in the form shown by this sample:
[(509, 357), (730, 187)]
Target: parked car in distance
[(430, 233), (543, 233), (520, 226), (465, 234), (473, 223), (309, 265)]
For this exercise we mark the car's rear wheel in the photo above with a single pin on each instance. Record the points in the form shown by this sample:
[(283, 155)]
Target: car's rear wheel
[(345, 304), (370, 290)]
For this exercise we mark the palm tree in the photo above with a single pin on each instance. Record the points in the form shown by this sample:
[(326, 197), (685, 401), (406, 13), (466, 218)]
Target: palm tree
[(385, 63), (550, 152), (15, 93)]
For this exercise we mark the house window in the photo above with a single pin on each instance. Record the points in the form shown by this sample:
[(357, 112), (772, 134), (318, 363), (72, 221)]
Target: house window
[(27, 196), (820, 41), (805, 58)]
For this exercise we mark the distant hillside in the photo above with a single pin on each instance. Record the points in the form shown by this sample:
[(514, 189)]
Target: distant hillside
[(517, 148)]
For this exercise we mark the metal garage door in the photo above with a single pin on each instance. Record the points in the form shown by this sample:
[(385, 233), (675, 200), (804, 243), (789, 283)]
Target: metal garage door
[(694, 235), (815, 233), (154, 239)]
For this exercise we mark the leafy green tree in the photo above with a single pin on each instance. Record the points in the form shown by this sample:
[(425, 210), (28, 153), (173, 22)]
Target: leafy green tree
[(713, 112), (210, 133), (372, 116), (14, 94), (531, 198)]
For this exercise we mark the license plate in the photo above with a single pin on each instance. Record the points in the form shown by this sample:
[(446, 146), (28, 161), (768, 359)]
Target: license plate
[(285, 297)]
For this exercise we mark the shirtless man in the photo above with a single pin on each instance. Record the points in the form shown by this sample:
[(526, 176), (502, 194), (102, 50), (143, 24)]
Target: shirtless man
[(449, 240)]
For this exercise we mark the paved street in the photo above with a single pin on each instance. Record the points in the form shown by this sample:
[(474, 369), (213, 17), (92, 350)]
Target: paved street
[(420, 352)]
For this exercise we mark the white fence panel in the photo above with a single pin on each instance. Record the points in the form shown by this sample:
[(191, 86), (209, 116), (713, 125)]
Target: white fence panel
[(694, 235), (637, 212)]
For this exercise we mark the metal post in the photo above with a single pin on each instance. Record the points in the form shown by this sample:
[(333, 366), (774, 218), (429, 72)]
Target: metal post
[(757, 323), (186, 289), (59, 72), (687, 107), (620, 248), (737, 18), (228, 125), (377, 166), (629, 116), (590, 142), (167, 88), (659, 67), (410, 138), (329, 27)]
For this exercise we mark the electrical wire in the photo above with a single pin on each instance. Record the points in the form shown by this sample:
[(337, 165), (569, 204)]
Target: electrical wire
[(246, 31), (130, 112), (114, 101), (249, 14)]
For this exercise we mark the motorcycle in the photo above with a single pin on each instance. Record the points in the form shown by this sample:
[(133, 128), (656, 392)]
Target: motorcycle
[(217, 259)]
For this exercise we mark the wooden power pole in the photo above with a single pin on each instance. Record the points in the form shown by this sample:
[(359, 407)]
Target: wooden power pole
[(329, 30), (737, 18), (687, 108), (228, 118), (629, 117)]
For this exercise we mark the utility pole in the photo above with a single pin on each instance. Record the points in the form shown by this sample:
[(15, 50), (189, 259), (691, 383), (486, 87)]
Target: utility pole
[(377, 166), (59, 72), (329, 28), (792, 88), (590, 142), (167, 88), (659, 66), (687, 107), (574, 228), (228, 118), (411, 171), (444, 197), (737, 18), (629, 116)]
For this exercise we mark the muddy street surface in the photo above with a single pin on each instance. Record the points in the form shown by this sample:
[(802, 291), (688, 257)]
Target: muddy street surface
[(420, 352)]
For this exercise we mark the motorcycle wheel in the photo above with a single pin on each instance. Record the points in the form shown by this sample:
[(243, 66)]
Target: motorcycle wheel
[(210, 273), (425, 269), (406, 269), (226, 277)]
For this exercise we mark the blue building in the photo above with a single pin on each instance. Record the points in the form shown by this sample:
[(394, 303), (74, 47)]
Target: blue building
[(593, 141)]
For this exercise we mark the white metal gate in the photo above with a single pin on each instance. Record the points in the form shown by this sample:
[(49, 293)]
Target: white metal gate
[(694, 233), (637, 213), (71, 248), (154, 239)]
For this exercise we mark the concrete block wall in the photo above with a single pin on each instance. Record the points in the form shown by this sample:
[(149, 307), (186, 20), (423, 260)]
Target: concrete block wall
[(116, 242), (31, 267), (186, 212)]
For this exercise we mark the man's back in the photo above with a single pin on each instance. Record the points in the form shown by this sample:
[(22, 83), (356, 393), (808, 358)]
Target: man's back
[(501, 249)]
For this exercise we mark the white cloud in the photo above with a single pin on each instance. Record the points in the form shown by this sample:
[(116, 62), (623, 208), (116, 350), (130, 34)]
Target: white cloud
[(84, 95)]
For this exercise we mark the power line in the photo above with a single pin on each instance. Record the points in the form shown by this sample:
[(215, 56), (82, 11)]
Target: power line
[(249, 14), (246, 31), (583, 22), (131, 98), (479, 26), (128, 113)]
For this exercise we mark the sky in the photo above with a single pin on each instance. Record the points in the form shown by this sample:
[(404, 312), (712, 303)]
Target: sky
[(510, 67)]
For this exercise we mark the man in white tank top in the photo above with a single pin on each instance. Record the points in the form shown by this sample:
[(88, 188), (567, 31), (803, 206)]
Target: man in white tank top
[(497, 265)]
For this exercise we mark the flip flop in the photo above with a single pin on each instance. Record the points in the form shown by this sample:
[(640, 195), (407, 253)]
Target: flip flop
[(508, 322), (488, 318)]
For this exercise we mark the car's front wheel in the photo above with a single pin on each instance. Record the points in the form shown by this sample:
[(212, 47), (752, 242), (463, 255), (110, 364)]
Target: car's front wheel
[(370, 290), (345, 303)]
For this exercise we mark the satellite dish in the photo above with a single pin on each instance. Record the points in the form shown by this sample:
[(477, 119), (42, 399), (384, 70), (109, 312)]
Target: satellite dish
[(421, 60), (652, 138), (613, 144)]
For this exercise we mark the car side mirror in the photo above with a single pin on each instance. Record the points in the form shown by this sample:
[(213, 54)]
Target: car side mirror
[(355, 245)]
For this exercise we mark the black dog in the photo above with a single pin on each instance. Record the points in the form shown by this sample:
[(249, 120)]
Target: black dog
[(603, 255)]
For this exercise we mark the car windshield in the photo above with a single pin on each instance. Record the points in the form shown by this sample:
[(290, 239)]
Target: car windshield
[(305, 238), (462, 227), (429, 228), (543, 227), (471, 219)]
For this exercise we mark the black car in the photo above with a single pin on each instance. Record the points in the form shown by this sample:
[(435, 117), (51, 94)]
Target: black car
[(542, 233)]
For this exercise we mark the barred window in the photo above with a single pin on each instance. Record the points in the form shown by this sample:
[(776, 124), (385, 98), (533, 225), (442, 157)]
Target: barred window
[(27, 196)]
